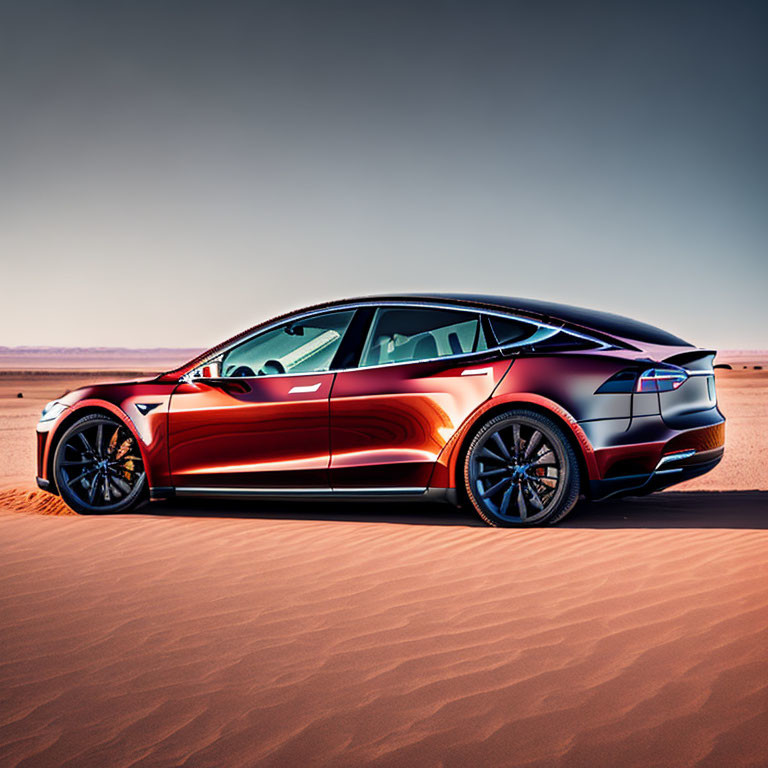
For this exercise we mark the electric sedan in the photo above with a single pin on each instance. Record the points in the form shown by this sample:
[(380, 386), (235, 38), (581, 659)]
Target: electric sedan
[(515, 407)]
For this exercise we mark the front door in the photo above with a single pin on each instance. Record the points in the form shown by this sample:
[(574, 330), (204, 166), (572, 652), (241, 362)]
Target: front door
[(256, 417)]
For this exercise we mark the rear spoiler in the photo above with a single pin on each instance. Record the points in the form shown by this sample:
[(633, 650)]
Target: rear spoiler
[(695, 360)]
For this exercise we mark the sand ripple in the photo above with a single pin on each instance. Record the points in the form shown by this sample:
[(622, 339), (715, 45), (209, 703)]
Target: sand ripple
[(204, 641)]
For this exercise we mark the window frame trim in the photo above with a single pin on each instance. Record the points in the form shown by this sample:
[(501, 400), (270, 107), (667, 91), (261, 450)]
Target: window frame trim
[(479, 311)]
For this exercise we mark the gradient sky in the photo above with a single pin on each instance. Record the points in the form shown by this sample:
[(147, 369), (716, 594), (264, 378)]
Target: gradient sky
[(171, 173)]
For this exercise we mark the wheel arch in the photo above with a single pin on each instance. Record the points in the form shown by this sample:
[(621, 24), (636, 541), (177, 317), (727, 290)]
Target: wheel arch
[(491, 408), (99, 408)]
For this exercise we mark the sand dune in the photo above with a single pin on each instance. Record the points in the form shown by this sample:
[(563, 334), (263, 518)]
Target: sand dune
[(205, 634)]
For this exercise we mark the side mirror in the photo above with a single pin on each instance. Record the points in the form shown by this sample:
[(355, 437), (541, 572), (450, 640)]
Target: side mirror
[(209, 370)]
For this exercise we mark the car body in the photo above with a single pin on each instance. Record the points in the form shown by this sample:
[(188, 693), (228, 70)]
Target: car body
[(381, 397)]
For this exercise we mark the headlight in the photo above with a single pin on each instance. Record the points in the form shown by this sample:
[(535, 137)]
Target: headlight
[(53, 410)]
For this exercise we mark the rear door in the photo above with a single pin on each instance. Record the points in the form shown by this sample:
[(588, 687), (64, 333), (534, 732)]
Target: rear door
[(422, 371)]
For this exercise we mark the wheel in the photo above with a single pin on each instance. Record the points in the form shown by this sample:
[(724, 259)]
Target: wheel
[(521, 470), (98, 467)]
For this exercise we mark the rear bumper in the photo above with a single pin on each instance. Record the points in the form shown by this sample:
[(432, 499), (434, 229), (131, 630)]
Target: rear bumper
[(672, 469), (652, 454)]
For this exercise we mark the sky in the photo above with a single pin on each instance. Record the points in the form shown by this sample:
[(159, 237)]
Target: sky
[(171, 173)]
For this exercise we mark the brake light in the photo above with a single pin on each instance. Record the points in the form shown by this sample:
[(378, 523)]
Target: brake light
[(661, 379)]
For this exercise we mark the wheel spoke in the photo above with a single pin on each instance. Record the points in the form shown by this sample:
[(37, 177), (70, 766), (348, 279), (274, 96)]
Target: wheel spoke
[(535, 498), (494, 488), (92, 491), (85, 442), (504, 506), (501, 446), (491, 472), (521, 505), (490, 455), (106, 495), (516, 438), (119, 483), (87, 472), (78, 463), (547, 458), (533, 444), (100, 440)]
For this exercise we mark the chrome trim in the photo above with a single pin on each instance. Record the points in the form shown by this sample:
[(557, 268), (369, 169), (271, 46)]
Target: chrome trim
[(477, 371), (361, 305), (206, 491), (674, 457), (309, 388)]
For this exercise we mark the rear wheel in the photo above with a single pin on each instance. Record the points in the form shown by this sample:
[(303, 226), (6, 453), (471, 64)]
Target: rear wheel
[(98, 466), (521, 470)]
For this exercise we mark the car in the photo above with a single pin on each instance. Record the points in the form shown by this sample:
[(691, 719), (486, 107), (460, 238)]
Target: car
[(517, 408)]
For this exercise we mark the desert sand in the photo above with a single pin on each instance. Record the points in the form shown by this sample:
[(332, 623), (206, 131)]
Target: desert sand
[(634, 634)]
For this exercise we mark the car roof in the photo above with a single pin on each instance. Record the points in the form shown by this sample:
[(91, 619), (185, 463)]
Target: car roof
[(604, 322)]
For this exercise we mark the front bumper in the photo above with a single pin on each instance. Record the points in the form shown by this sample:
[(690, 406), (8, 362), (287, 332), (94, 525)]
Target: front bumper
[(45, 485)]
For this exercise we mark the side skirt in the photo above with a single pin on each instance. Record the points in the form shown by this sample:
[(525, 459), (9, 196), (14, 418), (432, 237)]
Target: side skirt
[(434, 495)]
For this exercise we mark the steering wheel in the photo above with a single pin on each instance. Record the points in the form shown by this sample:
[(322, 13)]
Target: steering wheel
[(271, 367), (243, 371)]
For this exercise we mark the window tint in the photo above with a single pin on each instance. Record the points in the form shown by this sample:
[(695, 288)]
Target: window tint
[(510, 331), (562, 341), (400, 335), (302, 346), (507, 330)]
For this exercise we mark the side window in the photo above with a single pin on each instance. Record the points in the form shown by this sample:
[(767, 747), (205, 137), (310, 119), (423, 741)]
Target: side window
[(508, 330), (301, 346), (402, 334)]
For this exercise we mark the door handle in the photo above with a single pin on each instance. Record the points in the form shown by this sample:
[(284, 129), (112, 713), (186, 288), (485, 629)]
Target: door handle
[(476, 371), (304, 388)]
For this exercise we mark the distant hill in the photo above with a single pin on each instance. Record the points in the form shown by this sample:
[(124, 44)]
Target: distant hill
[(96, 358)]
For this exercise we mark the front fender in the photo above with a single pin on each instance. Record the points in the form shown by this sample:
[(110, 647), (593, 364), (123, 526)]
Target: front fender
[(149, 430)]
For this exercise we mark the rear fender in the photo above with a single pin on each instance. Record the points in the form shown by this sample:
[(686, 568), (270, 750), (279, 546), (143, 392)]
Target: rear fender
[(445, 472)]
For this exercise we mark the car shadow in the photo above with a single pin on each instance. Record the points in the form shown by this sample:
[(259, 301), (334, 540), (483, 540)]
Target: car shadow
[(693, 509)]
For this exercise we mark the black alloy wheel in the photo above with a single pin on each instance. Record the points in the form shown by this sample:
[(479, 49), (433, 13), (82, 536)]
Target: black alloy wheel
[(521, 470), (98, 466)]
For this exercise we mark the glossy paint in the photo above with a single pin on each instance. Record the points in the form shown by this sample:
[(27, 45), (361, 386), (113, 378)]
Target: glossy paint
[(269, 431), (120, 400), (404, 426), (389, 424)]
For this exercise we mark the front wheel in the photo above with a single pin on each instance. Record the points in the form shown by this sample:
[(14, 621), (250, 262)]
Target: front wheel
[(521, 470), (98, 466)]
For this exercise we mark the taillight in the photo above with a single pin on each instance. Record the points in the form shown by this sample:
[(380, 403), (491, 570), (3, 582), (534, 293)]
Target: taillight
[(661, 379)]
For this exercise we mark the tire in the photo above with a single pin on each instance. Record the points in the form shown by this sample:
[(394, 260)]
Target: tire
[(521, 470), (98, 467)]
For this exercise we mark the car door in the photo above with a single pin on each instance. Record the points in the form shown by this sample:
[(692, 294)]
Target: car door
[(256, 417), (422, 371)]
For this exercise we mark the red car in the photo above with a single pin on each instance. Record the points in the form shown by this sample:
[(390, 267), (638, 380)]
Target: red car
[(517, 407)]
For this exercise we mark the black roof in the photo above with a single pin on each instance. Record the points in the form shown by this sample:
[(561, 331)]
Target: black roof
[(548, 311), (604, 322)]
